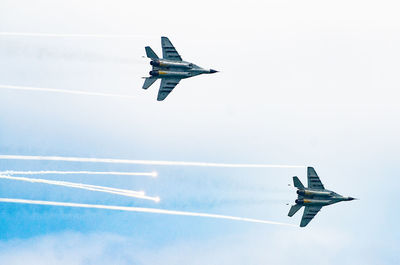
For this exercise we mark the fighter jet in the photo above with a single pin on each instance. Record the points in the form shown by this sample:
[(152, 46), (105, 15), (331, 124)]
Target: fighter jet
[(170, 69), (314, 197)]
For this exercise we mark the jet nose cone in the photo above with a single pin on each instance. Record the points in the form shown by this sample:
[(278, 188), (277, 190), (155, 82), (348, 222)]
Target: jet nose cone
[(213, 71), (351, 198)]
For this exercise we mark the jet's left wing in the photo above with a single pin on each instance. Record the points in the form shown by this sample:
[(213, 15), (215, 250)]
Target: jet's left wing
[(313, 180), (167, 84), (169, 51), (308, 215)]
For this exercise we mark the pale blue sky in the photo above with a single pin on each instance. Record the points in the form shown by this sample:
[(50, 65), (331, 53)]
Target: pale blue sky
[(302, 83)]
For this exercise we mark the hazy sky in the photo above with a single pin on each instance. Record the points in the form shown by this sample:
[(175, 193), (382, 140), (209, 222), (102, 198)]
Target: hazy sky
[(311, 83)]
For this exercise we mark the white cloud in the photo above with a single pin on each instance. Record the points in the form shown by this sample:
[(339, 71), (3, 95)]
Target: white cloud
[(282, 246), (66, 248)]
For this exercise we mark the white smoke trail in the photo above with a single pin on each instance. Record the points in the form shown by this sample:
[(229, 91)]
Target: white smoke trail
[(43, 172), (56, 90), (122, 192), (74, 185), (143, 162), (114, 36), (139, 209)]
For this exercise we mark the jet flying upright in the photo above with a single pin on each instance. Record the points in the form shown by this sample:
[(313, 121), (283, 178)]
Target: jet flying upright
[(314, 197), (170, 69)]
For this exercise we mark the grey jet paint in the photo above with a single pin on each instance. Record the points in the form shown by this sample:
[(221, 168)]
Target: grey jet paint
[(170, 69), (314, 197)]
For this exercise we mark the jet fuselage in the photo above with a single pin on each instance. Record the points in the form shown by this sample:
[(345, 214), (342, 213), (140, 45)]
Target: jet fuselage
[(310, 197), (165, 69)]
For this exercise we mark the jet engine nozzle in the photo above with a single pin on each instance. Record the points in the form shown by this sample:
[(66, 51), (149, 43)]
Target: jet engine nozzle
[(153, 73), (155, 63), (299, 201), (301, 192)]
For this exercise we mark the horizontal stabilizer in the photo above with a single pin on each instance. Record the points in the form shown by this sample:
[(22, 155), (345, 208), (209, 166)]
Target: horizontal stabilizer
[(297, 183), (148, 82), (294, 209), (150, 53)]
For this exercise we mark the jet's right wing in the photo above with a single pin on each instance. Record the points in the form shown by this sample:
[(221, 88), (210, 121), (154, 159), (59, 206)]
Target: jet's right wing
[(169, 51), (313, 180), (167, 85), (308, 215)]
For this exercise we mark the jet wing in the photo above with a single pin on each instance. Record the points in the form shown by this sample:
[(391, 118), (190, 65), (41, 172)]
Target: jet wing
[(169, 51), (308, 215), (167, 84), (313, 180)]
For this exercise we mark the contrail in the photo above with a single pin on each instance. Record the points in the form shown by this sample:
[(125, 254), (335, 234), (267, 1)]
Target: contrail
[(114, 36), (143, 162), (42, 172), (56, 90), (122, 192), (139, 209)]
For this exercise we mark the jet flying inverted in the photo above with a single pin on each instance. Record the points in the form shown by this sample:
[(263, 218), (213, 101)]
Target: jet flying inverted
[(314, 197), (170, 69)]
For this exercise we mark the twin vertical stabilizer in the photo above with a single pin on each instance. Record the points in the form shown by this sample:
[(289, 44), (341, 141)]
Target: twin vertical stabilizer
[(297, 183), (152, 55)]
